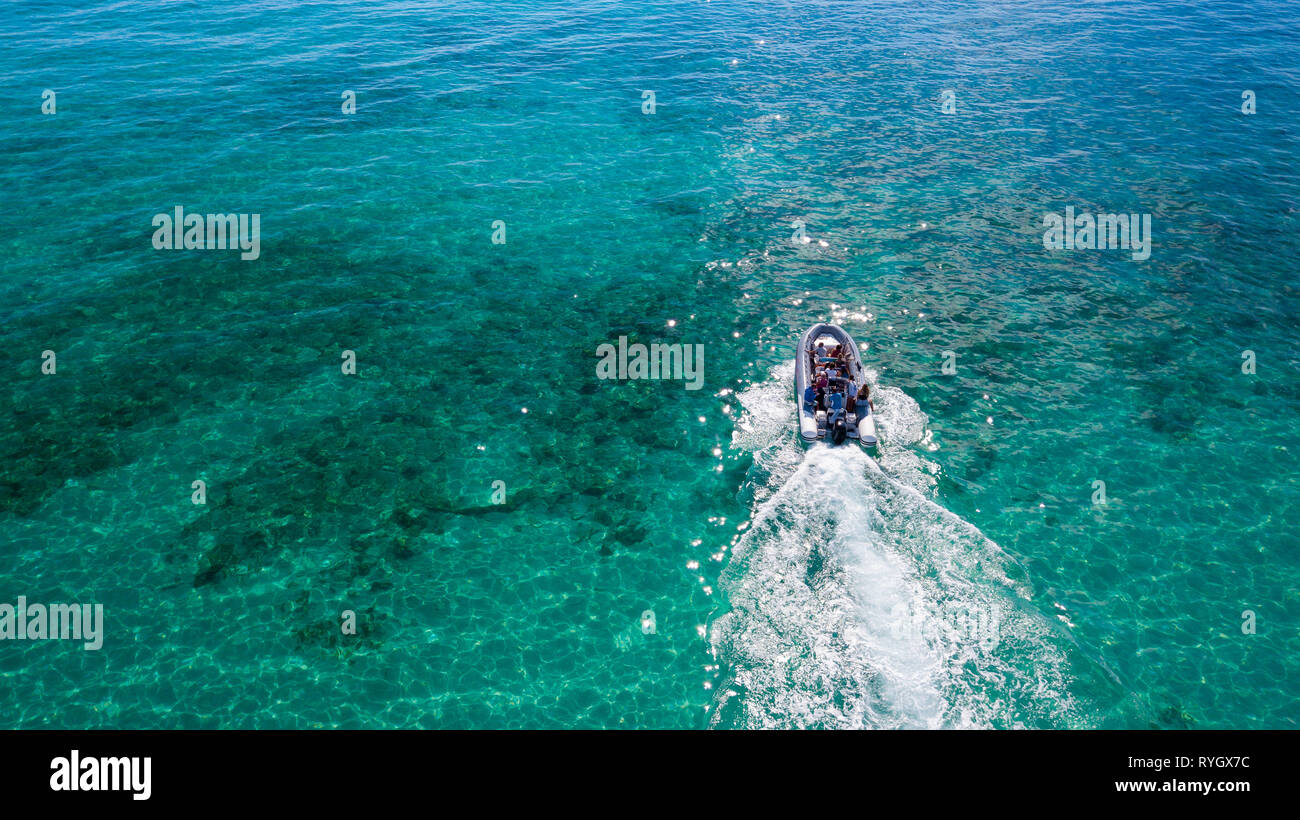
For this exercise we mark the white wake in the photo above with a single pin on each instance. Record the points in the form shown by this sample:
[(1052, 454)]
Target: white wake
[(854, 600)]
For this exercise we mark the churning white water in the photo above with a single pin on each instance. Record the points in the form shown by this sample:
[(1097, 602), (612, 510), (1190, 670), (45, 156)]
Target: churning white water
[(854, 600)]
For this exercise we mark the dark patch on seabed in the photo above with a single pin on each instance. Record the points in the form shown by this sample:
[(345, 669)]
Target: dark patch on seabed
[(1173, 717), (327, 636), (63, 428)]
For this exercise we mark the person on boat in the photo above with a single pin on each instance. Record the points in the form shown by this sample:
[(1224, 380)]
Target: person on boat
[(864, 394), (840, 386), (834, 404), (810, 398), (821, 351)]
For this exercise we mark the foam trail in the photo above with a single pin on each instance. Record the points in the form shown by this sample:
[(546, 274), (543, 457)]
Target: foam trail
[(854, 600)]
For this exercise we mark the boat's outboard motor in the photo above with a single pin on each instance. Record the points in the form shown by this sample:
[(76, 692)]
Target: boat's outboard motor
[(839, 429)]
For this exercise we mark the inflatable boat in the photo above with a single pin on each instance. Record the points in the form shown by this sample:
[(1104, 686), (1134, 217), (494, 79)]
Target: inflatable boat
[(828, 415)]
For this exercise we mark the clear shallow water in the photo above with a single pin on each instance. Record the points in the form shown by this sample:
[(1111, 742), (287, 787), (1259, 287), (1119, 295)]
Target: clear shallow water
[(775, 576)]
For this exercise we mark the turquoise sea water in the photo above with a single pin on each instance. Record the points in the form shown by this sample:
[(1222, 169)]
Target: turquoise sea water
[(788, 587)]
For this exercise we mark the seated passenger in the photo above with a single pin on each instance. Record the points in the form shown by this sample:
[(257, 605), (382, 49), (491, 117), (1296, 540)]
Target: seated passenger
[(810, 398)]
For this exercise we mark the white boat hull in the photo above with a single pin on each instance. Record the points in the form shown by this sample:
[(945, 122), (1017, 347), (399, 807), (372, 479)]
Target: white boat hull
[(812, 423)]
